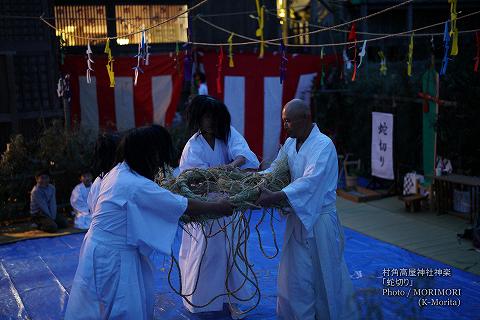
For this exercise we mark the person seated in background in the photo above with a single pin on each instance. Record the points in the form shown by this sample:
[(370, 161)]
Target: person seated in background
[(78, 201), (201, 82), (43, 204)]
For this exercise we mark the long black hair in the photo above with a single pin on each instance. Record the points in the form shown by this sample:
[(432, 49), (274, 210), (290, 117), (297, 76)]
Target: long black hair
[(203, 105), (104, 153), (146, 150)]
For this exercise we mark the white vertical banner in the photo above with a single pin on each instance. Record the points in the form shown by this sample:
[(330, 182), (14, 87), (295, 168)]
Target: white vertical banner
[(88, 104), (304, 87), (234, 98), (272, 117), (162, 90), (382, 145), (124, 110)]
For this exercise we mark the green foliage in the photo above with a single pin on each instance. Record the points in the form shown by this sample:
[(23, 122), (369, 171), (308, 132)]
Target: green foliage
[(63, 153), (344, 112)]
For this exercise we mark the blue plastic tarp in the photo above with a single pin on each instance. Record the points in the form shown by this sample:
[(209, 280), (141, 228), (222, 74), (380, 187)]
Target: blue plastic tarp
[(36, 276)]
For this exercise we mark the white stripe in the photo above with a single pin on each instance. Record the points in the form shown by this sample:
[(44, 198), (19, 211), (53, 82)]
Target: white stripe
[(124, 112), (88, 103), (272, 117), (234, 98), (304, 87), (21, 313), (162, 88)]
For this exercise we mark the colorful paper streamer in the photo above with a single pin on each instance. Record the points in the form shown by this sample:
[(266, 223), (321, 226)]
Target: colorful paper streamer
[(283, 61), (410, 57), (231, 64), (89, 63), (446, 43), (109, 66), (219, 71), (383, 63), (453, 27), (259, 32), (352, 36), (362, 52)]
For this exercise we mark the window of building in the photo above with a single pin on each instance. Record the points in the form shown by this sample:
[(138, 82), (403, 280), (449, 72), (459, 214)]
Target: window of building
[(84, 21), (131, 18), (91, 22)]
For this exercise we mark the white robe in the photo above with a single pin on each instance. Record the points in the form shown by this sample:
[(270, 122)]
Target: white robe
[(133, 217), (78, 201), (313, 279), (212, 272), (93, 194), (202, 89)]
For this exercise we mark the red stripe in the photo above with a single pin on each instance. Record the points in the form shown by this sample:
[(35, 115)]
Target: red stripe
[(254, 113), (177, 86), (142, 101), (105, 95)]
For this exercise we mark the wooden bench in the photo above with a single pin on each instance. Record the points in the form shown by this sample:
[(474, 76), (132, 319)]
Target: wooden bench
[(413, 202), (444, 187)]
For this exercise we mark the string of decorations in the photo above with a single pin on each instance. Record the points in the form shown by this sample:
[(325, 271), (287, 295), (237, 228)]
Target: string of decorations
[(352, 41), (382, 37)]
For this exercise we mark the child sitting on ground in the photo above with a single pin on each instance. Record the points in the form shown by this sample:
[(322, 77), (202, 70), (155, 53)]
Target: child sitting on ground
[(78, 201), (43, 205)]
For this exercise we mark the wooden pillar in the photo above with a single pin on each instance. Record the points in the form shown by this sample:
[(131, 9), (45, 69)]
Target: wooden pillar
[(410, 16)]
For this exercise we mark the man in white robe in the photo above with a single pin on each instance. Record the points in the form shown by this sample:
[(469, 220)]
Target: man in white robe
[(313, 279), (78, 201)]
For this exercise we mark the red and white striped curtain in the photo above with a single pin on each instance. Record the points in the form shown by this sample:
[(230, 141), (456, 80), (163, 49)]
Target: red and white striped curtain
[(254, 96), (251, 90), (153, 100)]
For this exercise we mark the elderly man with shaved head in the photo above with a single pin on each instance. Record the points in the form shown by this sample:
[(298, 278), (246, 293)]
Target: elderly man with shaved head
[(313, 279)]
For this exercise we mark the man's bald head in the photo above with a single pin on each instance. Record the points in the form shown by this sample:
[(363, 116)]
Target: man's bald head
[(297, 119), (297, 109)]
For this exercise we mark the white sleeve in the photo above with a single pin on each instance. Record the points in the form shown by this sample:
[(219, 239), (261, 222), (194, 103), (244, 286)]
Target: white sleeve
[(203, 89), (93, 194), (191, 157), (307, 193), (152, 218), (77, 201), (238, 146)]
